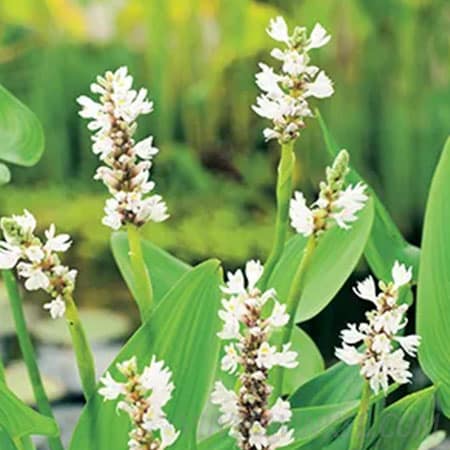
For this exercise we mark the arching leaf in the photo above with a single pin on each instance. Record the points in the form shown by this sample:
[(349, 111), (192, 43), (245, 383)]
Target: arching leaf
[(182, 332), (433, 296), (21, 134), (406, 423), (18, 420)]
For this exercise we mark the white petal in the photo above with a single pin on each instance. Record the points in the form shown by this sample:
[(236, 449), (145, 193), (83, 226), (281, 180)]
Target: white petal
[(321, 87), (409, 343), (318, 38), (278, 30), (401, 275), (302, 219), (57, 308), (349, 355), (144, 149), (253, 272), (235, 283), (9, 255), (168, 435), (366, 289)]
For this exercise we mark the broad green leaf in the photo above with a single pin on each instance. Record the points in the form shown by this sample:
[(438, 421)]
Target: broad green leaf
[(312, 362), (433, 297), (386, 244), (336, 439), (18, 420), (334, 259), (308, 423), (182, 332), (406, 423), (165, 270), (339, 383), (21, 134)]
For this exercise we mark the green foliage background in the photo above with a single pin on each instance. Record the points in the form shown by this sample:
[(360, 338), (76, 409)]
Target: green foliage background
[(389, 60)]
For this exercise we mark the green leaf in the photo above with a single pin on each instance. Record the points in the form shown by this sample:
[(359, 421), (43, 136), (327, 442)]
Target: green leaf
[(18, 420), (406, 423), (336, 439), (312, 362), (182, 332), (5, 441), (386, 244), (332, 262), (165, 270), (308, 423), (21, 134), (433, 297), (339, 383)]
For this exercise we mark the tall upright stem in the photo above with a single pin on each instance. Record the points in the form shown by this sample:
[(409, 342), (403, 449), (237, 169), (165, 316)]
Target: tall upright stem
[(297, 285), (83, 352), (284, 193), (360, 424), (2, 371), (293, 301), (28, 353), (141, 277)]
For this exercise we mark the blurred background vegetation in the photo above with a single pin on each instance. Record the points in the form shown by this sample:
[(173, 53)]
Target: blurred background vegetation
[(389, 60)]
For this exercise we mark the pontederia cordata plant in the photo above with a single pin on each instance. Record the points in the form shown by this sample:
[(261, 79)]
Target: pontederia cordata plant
[(219, 364)]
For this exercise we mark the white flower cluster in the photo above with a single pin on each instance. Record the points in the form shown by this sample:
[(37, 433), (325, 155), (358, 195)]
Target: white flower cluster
[(385, 347), (247, 412), (143, 396), (37, 262), (285, 95), (335, 204), (126, 172)]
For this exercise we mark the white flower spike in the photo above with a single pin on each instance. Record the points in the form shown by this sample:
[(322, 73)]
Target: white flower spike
[(250, 359), (284, 95), (383, 357), (127, 163), (37, 262), (334, 205), (142, 396)]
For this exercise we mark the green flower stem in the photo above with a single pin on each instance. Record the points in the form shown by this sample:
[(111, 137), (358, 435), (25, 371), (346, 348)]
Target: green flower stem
[(360, 424), (378, 409), (2, 371), (28, 353), (83, 352), (142, 281), (284, 193), (293, 302), (19, 444)]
